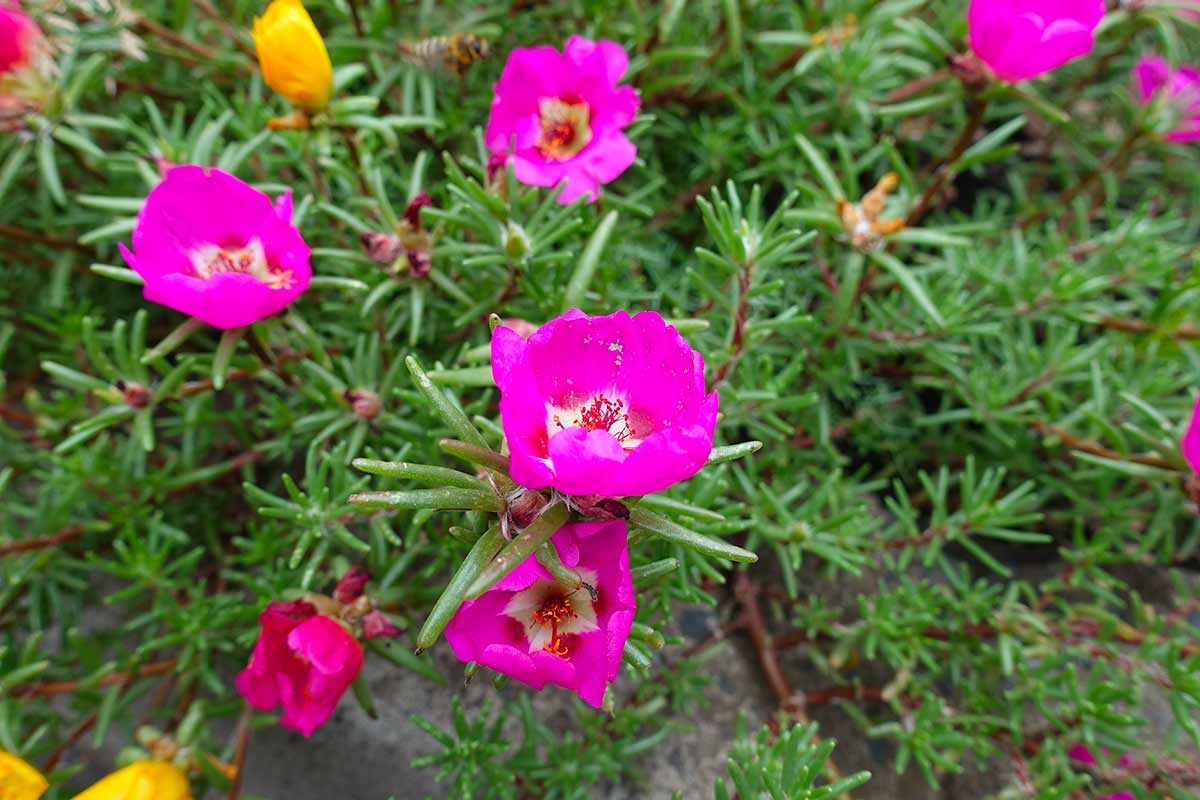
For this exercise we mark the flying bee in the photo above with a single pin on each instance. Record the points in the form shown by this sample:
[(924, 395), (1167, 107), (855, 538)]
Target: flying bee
[(456, 52)]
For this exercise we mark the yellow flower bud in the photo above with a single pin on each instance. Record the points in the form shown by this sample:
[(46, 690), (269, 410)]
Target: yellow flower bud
[(292, 55), (18, 780), (141, 780)]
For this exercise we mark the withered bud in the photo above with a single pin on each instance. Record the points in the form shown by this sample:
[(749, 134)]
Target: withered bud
[(872, 202), (420, 263), (376, 625), (526, 508), (382, 248), (295, 121), (133, 394), (969, 70), (364, 403), (351, 585), (496, 166), (412, 214), (13, 111), (594, 505)]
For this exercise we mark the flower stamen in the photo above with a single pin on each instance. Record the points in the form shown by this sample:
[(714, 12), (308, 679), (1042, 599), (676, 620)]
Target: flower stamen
[(602, 414), (566, 128), (553, 612), (251, 260)]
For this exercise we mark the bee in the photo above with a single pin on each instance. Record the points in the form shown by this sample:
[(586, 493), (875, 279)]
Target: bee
[(455, 52)]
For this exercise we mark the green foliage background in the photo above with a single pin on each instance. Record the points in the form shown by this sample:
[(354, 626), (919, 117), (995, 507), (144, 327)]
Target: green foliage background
[(1003, 384)]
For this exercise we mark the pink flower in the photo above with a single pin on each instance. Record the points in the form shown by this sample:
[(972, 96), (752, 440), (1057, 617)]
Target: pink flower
[(302, 660), (18, 36), (1021, 39), (609, 405), (216, 248), (1082, 755), (539, 631), (1154, 76), (565, 113), (1191, 440)]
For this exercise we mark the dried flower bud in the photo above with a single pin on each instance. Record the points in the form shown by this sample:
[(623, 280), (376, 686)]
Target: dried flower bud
[(294, 121), (526, 508), (376, 625), (382, 248), (969, 70), (496, 167), (364, 403), (350, 586), (134, 395), (420, 263), (412, 214), (600, 507)]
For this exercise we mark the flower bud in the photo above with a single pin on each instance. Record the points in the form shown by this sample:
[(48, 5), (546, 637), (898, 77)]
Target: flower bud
[(364, 403), (382, 248), (134, 395), (376, 625), (141, 779), (350, 586), (600, 507), (292, 55), (526, 508), (412, 214)]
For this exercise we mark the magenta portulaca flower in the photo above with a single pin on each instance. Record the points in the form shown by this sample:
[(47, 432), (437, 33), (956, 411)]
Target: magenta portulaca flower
[(214, 247), (1022, 39), (538, 631), (1154, 77), (18, 37), (302, 661), (610, 405), (562, 116)]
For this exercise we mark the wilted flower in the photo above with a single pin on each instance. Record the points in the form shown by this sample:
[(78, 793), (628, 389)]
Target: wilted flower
[(1154, 77), (292, 55), (19, 35), (216, 248), (1021, 39), (304, 661), (863, 222), (141, 780), (610, 405), (538, 630), (19, 780), (1082, 755), (561, 115)]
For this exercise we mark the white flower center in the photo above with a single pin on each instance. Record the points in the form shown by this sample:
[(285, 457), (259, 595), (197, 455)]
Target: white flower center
[(606, 411), (550, 612), (209, 260)]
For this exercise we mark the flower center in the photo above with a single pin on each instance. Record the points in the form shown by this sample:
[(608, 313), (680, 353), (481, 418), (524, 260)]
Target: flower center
[(251, 260), (566, 128), (601, 413), (550, 612), (554, 612)]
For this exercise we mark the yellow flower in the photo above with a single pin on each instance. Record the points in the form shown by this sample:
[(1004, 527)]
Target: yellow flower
[(141, 780), (18, 780), (292, 55)]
